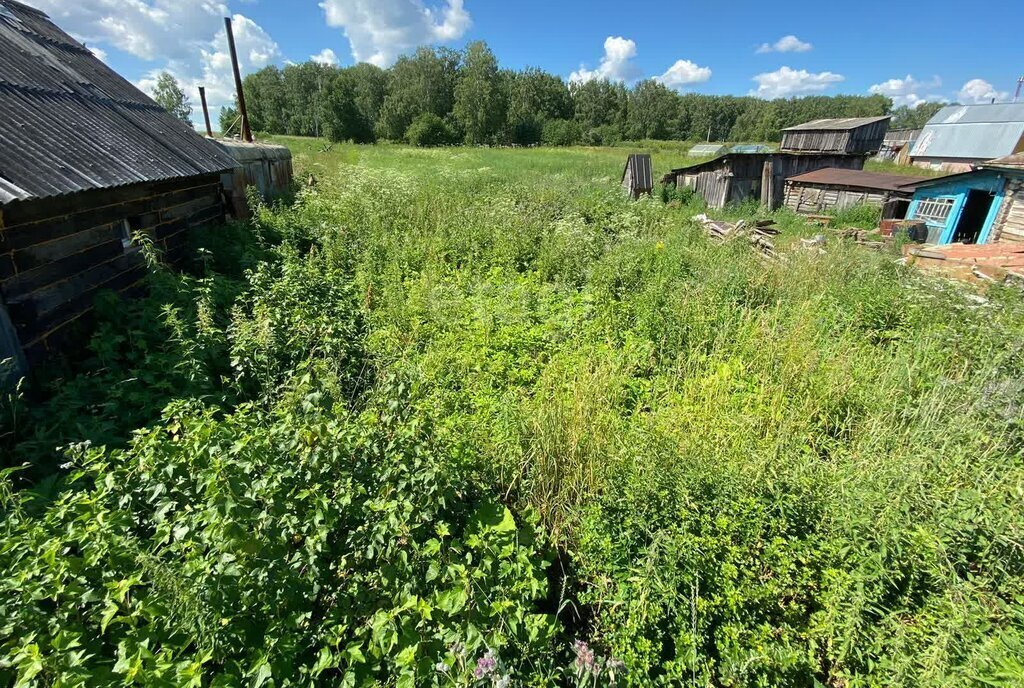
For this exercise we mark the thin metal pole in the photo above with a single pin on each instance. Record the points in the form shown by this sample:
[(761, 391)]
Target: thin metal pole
[(1020, 84), (246, 134), (206, 111)]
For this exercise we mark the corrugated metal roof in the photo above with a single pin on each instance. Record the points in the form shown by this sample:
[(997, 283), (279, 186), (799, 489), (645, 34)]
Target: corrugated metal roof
[(859, 179), (844, 124), (972, 132), (69, 123)]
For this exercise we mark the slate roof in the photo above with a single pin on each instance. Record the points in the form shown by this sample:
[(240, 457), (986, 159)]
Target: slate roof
[(844, 124), (69, 123), (972, 132)]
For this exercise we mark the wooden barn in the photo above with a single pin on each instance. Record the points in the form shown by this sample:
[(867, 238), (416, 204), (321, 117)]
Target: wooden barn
[(87, 161), (638, 177), (735, 178), (833, 189), (850, 136)]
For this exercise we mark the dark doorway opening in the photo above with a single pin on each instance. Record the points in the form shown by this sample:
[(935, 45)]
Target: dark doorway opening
[(972, 219), (896, 209)]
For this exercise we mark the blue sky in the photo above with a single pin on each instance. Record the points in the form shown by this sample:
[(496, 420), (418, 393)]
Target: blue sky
[(910, 50)]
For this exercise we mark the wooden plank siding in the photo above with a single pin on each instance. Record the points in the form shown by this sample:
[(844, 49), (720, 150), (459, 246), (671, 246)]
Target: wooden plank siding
[(815, 199), (737, 178), (860, 140), (1010, 224), (56, 255)]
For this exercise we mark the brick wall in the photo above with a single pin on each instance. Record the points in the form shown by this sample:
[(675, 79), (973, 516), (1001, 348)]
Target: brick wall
[(57, 254)]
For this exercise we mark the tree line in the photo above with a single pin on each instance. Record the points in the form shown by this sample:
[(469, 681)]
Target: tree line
[(440, 96)]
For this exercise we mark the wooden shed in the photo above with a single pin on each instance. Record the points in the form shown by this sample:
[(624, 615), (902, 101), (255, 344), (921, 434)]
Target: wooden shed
[(851, 136), (833, 189), (735, 178), (98, 163), (897, 144), (638, 177)]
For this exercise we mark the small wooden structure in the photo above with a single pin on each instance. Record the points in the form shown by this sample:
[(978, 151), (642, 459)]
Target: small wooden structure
[(638, 177), (978, 207), (850, 136), (897, 144), (833, 189), (735, 178), (708, 150), (262, 165)]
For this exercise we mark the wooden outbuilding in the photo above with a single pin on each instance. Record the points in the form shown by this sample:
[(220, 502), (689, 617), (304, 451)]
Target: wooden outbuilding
[(87, 162), (735, 178), (830, 189), (638, 177), (897, 144), (982, 206), (849, 136)]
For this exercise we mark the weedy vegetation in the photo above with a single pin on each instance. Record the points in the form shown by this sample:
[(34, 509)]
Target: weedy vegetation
[(470, 417)]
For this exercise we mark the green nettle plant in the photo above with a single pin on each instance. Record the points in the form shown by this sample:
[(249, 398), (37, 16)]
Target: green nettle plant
[(245, 549)]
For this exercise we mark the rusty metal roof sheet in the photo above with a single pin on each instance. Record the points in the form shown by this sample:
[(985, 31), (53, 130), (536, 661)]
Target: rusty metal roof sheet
[(69, 123), (1010, 161), (844, 124), (858, 179), (972, 132)]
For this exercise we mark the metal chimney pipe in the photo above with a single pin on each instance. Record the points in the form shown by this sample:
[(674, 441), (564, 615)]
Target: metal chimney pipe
[(206, 111), (246, 134)]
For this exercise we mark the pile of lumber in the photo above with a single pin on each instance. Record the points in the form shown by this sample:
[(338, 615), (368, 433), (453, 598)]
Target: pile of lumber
[(759, 234)]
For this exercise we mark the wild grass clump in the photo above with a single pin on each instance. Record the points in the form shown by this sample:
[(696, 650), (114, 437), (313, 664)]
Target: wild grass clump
[(444, 370)]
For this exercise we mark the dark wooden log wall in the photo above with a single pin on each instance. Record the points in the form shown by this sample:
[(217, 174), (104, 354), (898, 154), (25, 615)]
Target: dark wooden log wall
[(57, 254)]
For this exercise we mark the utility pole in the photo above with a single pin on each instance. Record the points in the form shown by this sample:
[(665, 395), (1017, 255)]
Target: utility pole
[(246, 133), (1020, 85), (206, 111)]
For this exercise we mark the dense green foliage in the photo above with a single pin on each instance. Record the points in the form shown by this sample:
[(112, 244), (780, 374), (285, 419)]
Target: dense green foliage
[(471, 417), (484, 104), (168, 94)]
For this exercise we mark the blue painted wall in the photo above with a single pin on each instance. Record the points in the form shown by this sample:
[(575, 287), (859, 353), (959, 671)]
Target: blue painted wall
[(957, 188)]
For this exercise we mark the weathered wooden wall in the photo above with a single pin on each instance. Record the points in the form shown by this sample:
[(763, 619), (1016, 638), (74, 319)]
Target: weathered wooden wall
[(737, 178), (814, 199), (1010, 224), (862, 140), (57, 254)]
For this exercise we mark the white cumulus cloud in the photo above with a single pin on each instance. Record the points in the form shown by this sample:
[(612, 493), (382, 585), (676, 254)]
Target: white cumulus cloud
[(147, 29), (381, 31), (786, 82), (977, 91), (786, 44), (326, 57), (256, 49), (684, 73), (616, 65), (908, 91)]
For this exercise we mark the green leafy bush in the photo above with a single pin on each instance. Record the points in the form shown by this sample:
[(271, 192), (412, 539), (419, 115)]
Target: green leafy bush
[(428, 130)]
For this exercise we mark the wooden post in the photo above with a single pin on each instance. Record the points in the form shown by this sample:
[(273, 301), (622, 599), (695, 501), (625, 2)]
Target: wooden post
[(767, 189), (206, 111), (246, 133)]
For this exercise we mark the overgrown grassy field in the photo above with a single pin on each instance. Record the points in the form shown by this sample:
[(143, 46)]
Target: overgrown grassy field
[(471, 417)]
